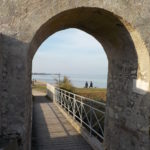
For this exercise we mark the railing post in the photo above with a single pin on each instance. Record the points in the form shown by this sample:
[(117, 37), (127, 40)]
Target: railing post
[(74, 105), (81, 111), (55, 95), (61, 97), (91, 118), (65, 99), (68, 102)]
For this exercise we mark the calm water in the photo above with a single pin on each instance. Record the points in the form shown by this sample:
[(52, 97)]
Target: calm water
[(77, 80)]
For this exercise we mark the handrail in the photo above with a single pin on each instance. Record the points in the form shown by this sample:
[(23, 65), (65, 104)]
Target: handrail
[(87, 104), (98, 102), (88, 112)]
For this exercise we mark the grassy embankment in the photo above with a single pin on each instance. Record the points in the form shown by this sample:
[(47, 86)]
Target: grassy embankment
[(39, 86), (93, 93)]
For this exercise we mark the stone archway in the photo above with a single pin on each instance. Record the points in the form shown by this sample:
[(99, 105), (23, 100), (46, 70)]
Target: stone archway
[(125, 38), (123, 46)]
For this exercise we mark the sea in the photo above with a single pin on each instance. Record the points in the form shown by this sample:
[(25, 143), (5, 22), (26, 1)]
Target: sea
[(78, 80)]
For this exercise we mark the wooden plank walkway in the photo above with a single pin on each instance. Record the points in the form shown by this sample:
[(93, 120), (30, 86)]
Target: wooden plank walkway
[(51, 130)]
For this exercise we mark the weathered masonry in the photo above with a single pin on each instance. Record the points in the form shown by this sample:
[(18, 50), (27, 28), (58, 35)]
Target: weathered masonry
[(122, 27)]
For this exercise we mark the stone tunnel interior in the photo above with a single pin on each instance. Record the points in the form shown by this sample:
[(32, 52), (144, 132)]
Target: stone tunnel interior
[(124, 66), (122, 27)]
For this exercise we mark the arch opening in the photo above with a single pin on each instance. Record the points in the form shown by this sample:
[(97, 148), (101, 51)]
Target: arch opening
[(69, 64)]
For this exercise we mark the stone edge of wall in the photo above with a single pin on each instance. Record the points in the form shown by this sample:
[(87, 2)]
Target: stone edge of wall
[(91, 140), (50, 91)]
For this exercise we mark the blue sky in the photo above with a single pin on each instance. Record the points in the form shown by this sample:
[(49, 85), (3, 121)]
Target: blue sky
[(71, 51)]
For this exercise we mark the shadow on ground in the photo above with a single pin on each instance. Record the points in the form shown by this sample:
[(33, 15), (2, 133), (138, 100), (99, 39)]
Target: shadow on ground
[(51, 131)]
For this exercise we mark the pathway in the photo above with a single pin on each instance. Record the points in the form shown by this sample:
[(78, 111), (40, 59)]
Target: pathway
[(51, 130)]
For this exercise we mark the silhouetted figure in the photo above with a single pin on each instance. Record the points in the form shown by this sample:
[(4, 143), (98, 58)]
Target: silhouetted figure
[(86, 84), (91, 84)]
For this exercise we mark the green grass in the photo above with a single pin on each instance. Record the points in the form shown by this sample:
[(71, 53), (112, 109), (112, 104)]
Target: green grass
[(93, 93), (38, 87)]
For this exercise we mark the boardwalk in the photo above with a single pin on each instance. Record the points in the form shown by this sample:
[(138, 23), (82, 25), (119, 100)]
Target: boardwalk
[(51, 131)]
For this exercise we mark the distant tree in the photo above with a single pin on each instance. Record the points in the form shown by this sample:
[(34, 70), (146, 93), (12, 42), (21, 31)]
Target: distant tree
[(65, 84)]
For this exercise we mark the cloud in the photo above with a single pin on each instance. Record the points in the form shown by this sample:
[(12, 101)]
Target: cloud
[(71, 39)]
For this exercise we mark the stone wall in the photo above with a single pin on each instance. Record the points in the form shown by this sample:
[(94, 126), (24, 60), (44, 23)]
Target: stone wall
[(122, 27), (8, 144)]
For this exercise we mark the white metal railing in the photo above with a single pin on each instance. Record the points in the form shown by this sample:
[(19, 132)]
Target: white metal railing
[(88, 112)]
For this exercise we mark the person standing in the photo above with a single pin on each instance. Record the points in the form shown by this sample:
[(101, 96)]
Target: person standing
[(91, 84), (86, 84)]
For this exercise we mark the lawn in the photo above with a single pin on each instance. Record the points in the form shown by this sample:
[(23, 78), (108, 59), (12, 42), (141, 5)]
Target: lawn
[(39, 86), (93, 93)]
